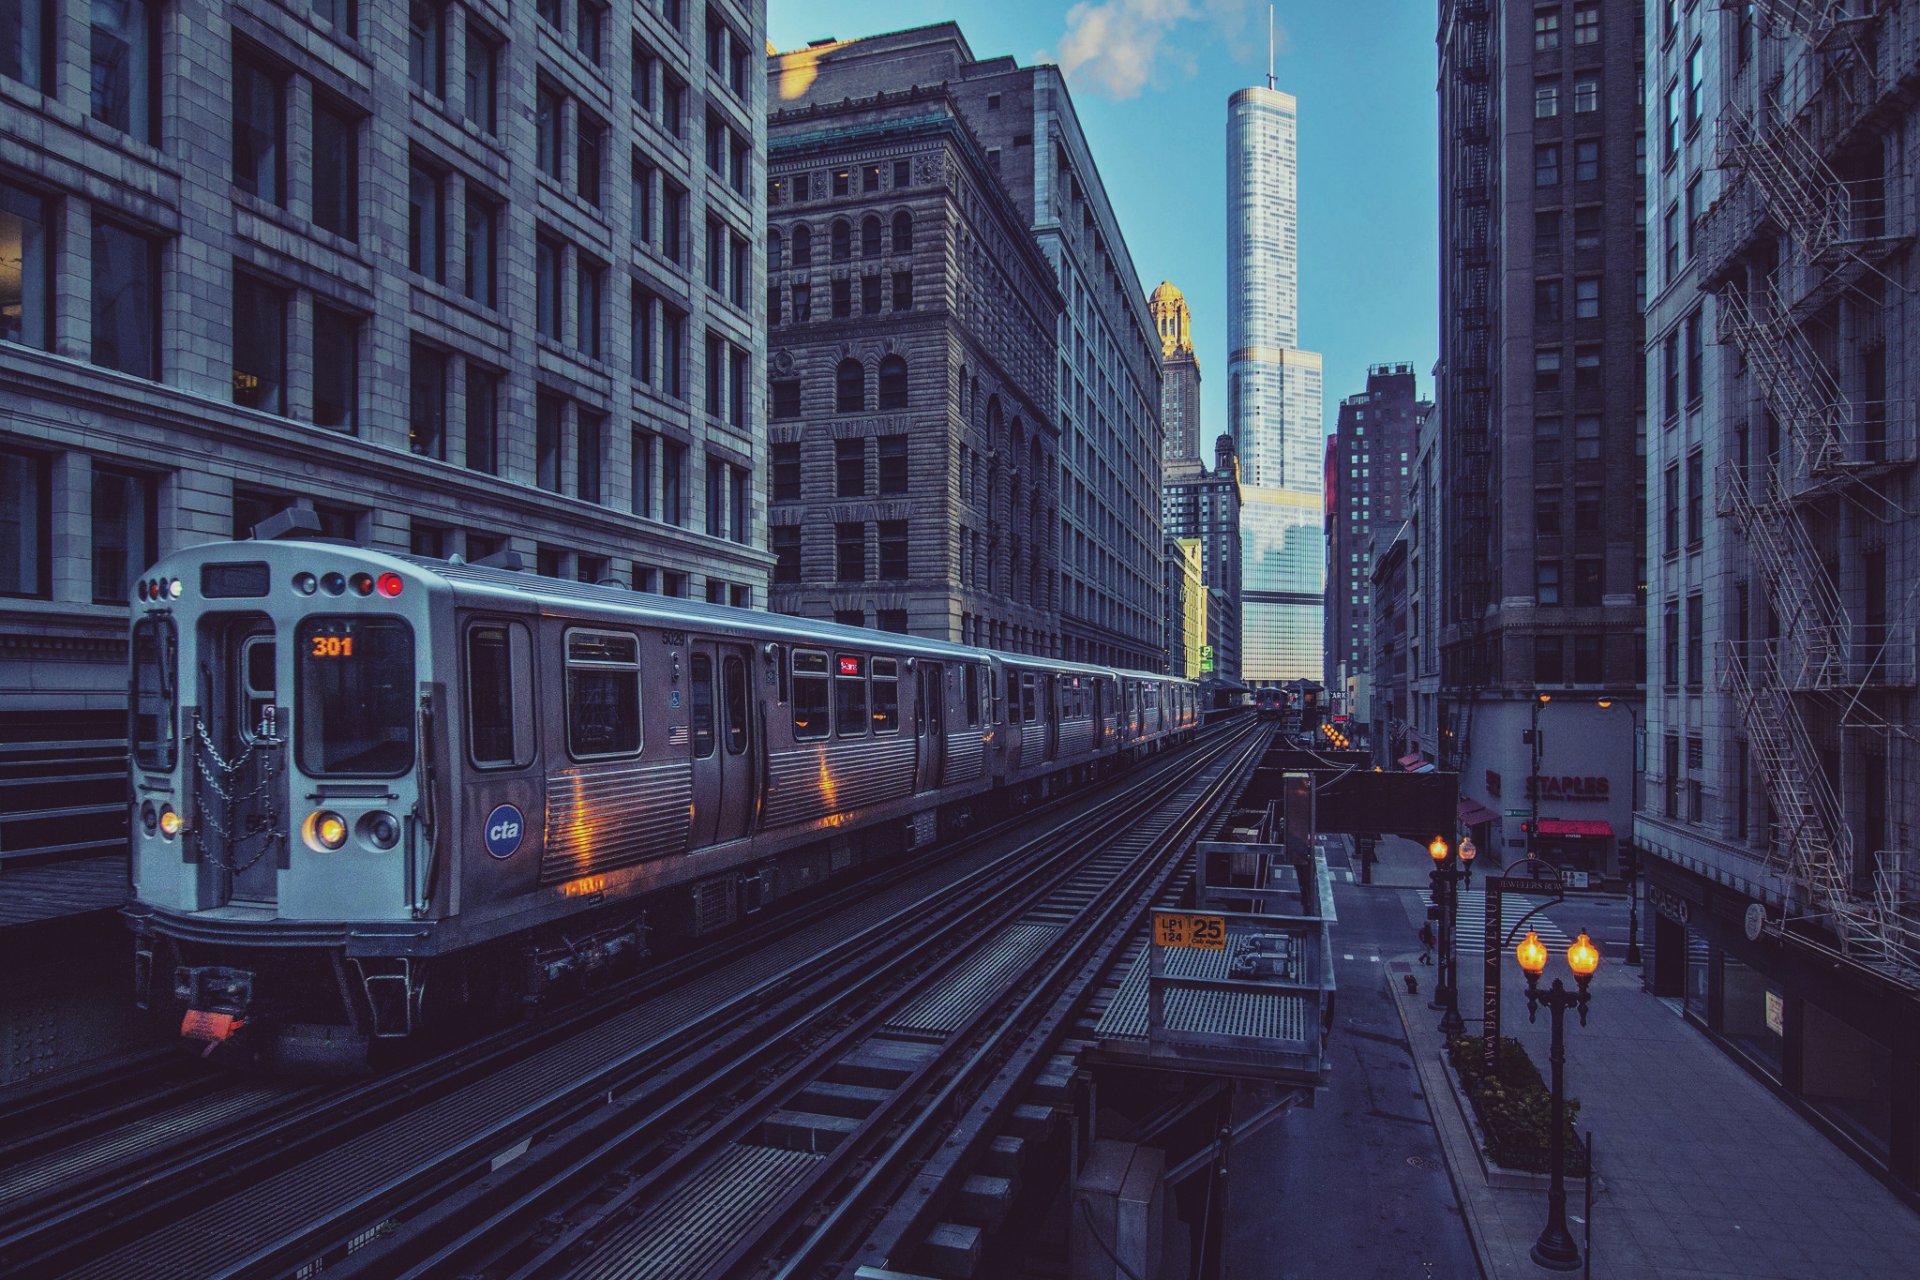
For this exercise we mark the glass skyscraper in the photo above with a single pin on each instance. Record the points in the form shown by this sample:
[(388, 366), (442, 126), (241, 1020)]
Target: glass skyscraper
[(1273, 395)]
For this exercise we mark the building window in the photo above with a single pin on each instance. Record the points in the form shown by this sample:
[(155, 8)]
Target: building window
[(426, 46), (850, 468), (126, 298), (738, 365), (26, 287), (1586, 298), (641, 352), (549, 118), (547, 414), (482, 72), (716, 374), (1670, 379), (483, 415), (1672, 135), (1586, 160), (641, 495), (850, 551), (1670, 240), (482, 231), (1692, 217), (903, 291), (1546, 511), (1587, 667), (548, 254), (870, 295), (893, 382), (1546, 582), (1586, 24), (1673, 508), (1586, 227), (1546, 301), (1587, 583), (903, 232), (425, 222), (336, 168), (336, 369), (1546, 233), (1586, 509), (1586, 369), (870, 235), (786, 472), (587, 22), (673, 222), (1586, 95), (24, 44), (842, 298), (1546, 370), (1546, 164), (673, 483), (785, 541), (589, 454), (589, 152), (893, 549), (893, 464), (124, 80), (1696, 359), (259, 344), (1696, 86), (25, 521), (849, 385), (738, 271), (125, 531), (673, 352), (1547, 668), (1586, 438), (427, 401), (259, 129), (589, 288), (784, 395), (1546, 99), (1546, 30), (1696, 499), (1696, 629)]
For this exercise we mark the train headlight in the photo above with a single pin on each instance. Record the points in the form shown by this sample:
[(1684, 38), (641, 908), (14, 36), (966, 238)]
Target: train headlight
[(380, 829), (170, 822), (325, 829), (176, 588), (149, 817)]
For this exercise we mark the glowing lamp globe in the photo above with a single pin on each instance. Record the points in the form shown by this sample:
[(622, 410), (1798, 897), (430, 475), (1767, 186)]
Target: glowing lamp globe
[(1438, 849), (1468, 849), (1532, 954), (1583, 957)]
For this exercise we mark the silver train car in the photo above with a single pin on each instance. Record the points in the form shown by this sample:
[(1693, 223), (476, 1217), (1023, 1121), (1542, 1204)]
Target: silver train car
[(375, 793)]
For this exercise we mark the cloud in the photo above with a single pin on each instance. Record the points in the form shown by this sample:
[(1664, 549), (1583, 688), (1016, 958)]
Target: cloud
[(1118, 47)]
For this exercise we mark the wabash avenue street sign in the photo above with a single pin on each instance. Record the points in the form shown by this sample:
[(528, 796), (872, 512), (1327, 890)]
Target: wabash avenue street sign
[(1532, 876)]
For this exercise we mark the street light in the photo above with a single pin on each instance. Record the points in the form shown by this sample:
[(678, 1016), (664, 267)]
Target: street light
[(1468, 851), (1555, 1248), (1446, 989), (1633, 800)]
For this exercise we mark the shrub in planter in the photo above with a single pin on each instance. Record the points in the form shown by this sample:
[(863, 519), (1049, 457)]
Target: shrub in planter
[(1515, 1107)]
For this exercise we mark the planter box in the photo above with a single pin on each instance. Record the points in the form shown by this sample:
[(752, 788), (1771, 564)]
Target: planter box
[(1496, 1175)]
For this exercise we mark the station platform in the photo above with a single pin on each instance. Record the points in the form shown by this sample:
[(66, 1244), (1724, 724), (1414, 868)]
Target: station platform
[(41, 893)]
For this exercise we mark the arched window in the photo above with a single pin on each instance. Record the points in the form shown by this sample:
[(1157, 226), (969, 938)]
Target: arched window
[(870, 236), (1019, 442), (966, 401), (902, 231), (775, 243), (803, 246), (893, 383), (850, 387), (842, 240)]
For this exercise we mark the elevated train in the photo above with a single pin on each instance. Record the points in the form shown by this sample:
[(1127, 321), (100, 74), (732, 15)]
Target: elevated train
[(376, 791)]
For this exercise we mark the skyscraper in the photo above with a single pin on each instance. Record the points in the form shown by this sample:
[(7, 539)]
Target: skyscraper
[(1273, 393), (1179, 381)]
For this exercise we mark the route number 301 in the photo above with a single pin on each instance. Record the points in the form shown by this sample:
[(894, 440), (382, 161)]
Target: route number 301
[(1209, 933)]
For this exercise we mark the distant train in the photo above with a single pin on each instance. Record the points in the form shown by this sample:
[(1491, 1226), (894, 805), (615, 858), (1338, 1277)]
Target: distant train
[(1269, 704), (373, 791)]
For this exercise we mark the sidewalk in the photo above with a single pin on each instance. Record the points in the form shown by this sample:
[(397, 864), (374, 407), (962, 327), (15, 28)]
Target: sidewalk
[(1703, 1173)]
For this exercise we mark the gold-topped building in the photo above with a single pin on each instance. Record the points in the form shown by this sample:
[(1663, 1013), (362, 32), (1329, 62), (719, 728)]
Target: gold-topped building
[(1180, 380)]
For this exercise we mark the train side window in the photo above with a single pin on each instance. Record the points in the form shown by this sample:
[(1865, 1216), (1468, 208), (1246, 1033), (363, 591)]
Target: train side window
[(734, 686), (886, 695), (702, 706), (849, 696), (603, 694), (972, 696), (1028, 703), (809, 694), (499, 695)]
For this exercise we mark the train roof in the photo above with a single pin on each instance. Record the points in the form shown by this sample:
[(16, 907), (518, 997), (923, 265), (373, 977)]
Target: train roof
[(473, 582)]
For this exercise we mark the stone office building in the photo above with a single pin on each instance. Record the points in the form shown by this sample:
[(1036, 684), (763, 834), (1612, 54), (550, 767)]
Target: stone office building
[(912, 434), (472, 282), (1197, 503)]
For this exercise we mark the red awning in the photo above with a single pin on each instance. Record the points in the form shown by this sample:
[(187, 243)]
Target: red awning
[(1473, 813), (1412, 761), (1576, 828)]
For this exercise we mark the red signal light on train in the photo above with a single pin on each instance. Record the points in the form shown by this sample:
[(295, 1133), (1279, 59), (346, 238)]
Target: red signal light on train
[(391, 584)]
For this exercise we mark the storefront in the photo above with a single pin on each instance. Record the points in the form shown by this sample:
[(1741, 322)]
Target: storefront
[(1837, 1039), (1583, 848)]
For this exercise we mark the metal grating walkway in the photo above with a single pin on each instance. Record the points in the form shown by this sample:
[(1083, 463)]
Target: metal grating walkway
[(687, 1232), (942, 1010), (1252, 1015)]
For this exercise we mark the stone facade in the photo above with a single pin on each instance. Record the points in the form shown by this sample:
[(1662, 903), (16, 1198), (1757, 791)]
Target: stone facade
[(912, 434), (1369, 471), (389, 274), (1179, 382), (1186, 608), (1206, 505)]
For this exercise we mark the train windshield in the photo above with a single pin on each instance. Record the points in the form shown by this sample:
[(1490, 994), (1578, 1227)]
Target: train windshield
[(356, 697), (155, 744)]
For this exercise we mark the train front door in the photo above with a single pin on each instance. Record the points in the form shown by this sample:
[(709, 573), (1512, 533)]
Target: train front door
[(240, 768), (930, 718), (720, 711)]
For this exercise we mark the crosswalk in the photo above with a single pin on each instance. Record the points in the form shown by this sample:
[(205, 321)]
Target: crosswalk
[(1470, 921)]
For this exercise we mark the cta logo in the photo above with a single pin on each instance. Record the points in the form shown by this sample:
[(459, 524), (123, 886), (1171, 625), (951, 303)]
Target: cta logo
[(504, 830)]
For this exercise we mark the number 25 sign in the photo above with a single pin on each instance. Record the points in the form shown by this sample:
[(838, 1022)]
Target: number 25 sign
[(1208, 933)]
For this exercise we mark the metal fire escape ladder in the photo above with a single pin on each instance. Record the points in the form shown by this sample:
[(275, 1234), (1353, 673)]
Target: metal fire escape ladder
[(1805, 395), (1815, 629)]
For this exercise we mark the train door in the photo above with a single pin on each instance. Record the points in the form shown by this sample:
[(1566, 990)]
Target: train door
[(240, 768), (930, 721), (720, 711), (1099, 714), (1052, 713)]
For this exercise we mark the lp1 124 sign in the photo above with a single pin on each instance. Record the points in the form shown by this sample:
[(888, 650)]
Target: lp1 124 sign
[(1178, 929)]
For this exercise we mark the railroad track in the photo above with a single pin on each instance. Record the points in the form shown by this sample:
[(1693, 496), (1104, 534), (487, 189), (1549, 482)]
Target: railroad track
[(283, 1175), (782, 1147)]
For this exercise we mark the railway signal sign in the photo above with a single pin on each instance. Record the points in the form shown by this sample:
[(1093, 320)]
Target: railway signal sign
[(1179, 929)]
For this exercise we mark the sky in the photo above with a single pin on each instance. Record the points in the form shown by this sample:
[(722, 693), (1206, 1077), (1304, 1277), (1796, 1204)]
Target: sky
[(1150, 81)]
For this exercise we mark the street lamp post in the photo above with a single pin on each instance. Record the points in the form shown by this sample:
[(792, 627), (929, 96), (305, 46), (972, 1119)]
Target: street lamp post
[(1633, 800), (1446, 987), (1555, 1248)]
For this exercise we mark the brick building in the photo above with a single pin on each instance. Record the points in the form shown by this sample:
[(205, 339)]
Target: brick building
[(479, 280), (912, 436)]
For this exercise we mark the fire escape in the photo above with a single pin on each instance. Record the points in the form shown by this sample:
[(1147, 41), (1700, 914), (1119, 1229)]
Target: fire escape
[(1794, 254), (1469, 426)]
